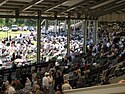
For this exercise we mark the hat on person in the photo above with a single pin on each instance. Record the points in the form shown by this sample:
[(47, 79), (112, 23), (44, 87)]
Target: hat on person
[(46, 73)]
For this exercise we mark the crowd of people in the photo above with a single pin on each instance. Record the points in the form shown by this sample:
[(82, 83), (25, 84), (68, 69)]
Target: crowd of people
[(16, 50), (64, 72)]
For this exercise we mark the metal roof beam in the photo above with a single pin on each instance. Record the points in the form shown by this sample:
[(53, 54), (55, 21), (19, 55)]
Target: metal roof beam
[(117, 12), (31, 4), (87, 7), (35, 17), (113, 3), (123, 11), (2, 2), (94, 7), (116, 8), (72, 7), (54, 6), (102, 4), (80, 3), (102, 8)]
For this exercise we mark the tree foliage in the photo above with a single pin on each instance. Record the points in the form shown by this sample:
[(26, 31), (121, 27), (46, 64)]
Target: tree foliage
[(2, 22), (17, 21)]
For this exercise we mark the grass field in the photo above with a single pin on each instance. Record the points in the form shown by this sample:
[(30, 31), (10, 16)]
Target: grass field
[(4, 34)]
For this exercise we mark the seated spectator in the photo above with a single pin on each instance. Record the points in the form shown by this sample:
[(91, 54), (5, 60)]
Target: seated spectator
[(5, 87), (36, 89), (21, 91), (11, 89), (39, 92), (58, 91), (28, 84), (66, 86)]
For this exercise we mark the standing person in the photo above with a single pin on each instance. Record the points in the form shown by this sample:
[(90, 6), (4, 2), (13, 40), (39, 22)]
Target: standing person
[(34, 76), (45, 83), (51, 88), (58, 81), (23, 78)]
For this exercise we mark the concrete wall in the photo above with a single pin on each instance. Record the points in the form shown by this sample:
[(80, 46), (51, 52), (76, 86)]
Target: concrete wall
[(105, 89)]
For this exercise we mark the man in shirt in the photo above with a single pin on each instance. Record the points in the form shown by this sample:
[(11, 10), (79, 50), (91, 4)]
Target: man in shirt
[(45, 83)]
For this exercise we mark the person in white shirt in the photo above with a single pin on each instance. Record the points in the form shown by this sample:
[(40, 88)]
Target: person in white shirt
[(45, 83), (51, 84)]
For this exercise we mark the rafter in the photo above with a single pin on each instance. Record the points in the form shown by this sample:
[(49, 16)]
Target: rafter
[(85, 9), (123, 11), (117, 12), (2, 2), (31, 4), (72, 7), (99, 10), (110, 10), (103, 7), (54, 5)]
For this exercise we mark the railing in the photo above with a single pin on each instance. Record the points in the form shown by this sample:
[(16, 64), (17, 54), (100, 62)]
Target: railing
[(12, 71), (106, 89)]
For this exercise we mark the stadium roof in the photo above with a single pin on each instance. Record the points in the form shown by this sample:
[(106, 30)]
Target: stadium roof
[(60, 8)]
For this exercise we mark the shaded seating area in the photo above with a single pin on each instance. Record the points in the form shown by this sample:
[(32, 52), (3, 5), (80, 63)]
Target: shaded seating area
[(90, 58)]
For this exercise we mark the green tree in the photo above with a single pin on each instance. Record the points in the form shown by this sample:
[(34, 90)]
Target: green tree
[(17, 21), (2, 22), (30, 22)]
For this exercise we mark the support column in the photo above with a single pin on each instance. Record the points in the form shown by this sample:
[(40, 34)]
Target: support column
[(93, 31), (68, 38), (46, 25), (85, 36), (56, 22), (96, 32), (89, 29), (59, 26), (82, 28), (65, 25), (38, 36), (74, 30)]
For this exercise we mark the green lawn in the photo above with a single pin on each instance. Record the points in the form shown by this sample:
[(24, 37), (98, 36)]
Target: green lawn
[(4, 34)]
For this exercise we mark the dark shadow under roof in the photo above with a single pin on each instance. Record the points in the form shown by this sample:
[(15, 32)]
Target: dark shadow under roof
[(60, 8)]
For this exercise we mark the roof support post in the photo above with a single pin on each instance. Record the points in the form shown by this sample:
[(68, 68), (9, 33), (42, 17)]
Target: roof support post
[(74, 28), (56, 23), (65, 25), (46, 25), (38, 37), (89, 29), (59, 29), (68, 36), (82, 28), (95, 31), (85, 35)]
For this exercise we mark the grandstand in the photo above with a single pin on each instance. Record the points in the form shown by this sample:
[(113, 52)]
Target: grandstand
[(93, 55)]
